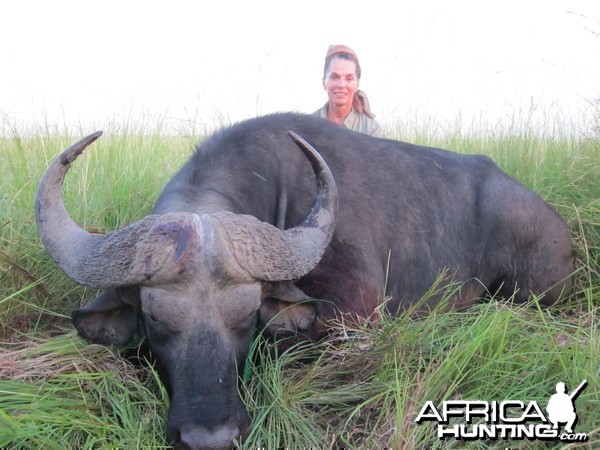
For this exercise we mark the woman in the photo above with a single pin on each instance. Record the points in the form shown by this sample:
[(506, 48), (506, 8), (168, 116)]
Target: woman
[(347, 106)]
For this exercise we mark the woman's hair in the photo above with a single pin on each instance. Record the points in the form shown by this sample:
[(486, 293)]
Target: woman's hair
[(341, 52)]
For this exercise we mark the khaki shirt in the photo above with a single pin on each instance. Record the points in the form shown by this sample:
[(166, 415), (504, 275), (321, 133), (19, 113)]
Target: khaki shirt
[(356, 121)]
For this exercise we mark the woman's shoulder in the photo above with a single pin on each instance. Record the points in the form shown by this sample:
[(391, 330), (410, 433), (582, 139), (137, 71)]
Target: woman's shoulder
[(359, 121)]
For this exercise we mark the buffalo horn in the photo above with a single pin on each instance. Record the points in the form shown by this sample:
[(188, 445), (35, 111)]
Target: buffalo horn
[(157, 248), (270, 254), (148, 251)]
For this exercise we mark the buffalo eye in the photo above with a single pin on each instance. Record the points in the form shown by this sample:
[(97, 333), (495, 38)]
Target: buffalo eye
[(158, 331), (245, 326)]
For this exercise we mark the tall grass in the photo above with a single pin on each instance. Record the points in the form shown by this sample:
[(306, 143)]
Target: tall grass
[(361, 388)]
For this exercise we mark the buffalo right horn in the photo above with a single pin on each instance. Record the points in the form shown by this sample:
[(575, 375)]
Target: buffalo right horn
[(119, 258)]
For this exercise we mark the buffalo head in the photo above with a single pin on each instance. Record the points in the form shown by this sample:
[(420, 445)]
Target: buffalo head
[(196, 281)]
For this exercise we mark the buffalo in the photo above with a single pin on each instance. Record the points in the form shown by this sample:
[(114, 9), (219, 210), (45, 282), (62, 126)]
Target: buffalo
[(259, 230)]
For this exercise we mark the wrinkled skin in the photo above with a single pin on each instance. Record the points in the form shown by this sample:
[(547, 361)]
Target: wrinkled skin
[(205, 274)]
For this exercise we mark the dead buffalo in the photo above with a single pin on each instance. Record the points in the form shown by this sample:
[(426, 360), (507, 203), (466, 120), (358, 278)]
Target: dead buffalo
[(251, 226)]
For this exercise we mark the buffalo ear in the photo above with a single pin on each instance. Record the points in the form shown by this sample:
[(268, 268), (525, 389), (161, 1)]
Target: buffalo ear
[(286, 309), (111, 318)]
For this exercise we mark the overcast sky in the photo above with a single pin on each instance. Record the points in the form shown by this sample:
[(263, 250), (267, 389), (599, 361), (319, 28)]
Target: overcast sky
[(84, 63)]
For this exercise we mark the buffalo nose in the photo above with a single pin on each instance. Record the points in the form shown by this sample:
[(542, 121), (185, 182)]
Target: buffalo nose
[(192, 437)]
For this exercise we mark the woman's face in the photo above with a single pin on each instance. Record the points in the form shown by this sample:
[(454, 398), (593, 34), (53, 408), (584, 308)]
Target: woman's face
[(341, 82)]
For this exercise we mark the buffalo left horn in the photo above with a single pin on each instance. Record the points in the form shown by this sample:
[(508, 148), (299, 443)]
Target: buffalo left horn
[(267, 253)]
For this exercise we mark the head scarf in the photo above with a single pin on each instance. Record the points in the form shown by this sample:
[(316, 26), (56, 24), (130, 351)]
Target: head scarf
[(360, 100)]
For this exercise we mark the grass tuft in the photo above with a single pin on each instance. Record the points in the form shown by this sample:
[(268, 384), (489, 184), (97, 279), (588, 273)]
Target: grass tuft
[(61, 393)]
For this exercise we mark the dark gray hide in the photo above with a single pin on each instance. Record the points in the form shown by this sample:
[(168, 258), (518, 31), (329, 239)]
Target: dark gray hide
[(406, 213)]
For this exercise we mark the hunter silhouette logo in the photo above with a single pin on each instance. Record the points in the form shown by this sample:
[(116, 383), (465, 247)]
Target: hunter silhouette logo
[(508, 419), (561, 408)]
